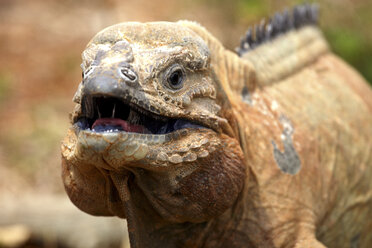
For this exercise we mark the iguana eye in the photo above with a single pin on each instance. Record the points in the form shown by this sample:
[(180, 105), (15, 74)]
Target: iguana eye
[(175, 78)]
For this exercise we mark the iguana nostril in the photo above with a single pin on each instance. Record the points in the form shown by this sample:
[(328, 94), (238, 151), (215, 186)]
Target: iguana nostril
[(128, 74)]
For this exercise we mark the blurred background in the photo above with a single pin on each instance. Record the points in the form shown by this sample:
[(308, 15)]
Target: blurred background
[(40, 46)]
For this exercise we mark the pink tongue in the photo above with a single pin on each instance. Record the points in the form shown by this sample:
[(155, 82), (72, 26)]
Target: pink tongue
[(119, 122)]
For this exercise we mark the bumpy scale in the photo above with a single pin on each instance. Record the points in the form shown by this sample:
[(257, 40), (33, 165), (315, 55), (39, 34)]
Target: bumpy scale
[(199, 147)]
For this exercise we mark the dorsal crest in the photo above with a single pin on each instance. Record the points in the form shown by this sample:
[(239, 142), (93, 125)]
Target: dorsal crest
[(277, 25)]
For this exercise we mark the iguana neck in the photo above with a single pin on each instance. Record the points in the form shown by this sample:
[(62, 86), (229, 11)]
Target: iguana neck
[(147, 229), (217, 232), (286, 54)]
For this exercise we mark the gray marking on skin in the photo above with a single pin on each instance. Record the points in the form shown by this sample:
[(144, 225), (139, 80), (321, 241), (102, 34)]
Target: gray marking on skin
[(246, 96), (288, 161)]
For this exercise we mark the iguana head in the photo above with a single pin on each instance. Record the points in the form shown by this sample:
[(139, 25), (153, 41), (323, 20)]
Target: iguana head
[(152, 119)]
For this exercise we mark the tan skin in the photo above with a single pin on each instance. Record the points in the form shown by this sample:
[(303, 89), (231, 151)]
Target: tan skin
[(217, 182)]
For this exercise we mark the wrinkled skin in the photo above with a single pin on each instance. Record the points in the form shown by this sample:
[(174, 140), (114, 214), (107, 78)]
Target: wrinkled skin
[(285, 164)]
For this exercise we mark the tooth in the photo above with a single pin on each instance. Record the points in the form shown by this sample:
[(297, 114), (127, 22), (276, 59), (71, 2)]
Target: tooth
[(99, 113), (88, 107), (113, 111)]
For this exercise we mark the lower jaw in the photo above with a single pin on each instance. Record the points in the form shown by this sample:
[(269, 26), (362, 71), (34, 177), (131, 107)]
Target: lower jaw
[(110, 150), (119, 150), (123, 150)]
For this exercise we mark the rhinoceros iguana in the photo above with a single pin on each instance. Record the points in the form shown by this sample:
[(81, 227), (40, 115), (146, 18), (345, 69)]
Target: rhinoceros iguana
[(197, 146)]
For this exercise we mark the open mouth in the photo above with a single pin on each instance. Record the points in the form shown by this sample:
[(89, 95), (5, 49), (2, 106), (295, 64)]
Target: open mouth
[(111, 114)]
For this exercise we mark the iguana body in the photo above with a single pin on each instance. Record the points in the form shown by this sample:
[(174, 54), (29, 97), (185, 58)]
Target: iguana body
[(198, 147)]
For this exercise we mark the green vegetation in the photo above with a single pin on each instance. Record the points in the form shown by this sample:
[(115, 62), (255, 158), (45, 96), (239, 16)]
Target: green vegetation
[(354, 47)]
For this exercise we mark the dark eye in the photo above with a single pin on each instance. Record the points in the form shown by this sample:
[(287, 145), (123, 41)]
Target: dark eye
[(175, 79)]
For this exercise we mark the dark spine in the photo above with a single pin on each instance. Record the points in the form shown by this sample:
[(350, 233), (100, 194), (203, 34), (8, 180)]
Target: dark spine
[(280, 23)]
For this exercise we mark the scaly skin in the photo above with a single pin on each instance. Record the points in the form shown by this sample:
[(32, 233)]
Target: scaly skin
[(285, 164)]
